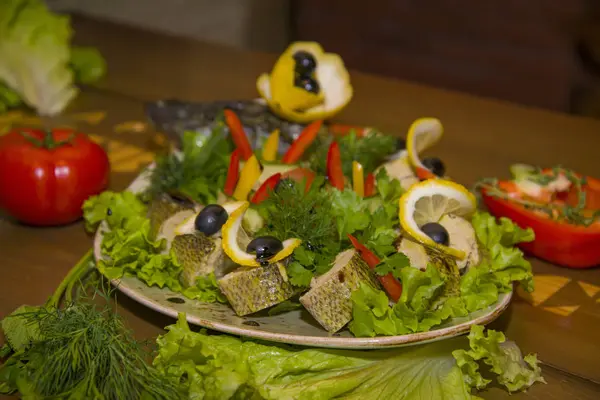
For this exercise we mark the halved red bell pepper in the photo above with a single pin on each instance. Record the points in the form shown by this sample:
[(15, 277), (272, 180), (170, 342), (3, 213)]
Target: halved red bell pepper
[(238, 134), (556, 241), (233, 173), (308, 135), (370, 185), (301, 174), (389, 283), (263, 191), (335, 173)]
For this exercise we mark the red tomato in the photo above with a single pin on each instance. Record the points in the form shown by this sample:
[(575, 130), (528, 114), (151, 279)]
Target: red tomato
[(46, 176)]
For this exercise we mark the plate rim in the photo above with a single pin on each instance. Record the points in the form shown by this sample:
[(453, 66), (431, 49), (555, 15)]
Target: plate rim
[(377, 342)]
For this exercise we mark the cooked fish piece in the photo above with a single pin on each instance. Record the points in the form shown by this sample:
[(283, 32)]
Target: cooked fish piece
[(462, 236), (199, 255), (251, 289), (400, 169), (164, 206), (328, 300), (416, 253)]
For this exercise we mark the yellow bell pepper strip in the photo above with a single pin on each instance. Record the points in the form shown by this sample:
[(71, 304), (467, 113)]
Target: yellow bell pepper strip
[(308, 135), (370, 185), (358, 179), (236, 129), (233, 173), (269, 152), (250, 173)]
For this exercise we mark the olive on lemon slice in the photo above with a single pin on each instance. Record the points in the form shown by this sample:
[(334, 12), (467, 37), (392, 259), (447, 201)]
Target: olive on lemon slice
[(323, 97), (243, 257)]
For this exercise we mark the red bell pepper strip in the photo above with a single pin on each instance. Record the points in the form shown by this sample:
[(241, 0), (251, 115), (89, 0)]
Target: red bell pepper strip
[(343, 129), (233, 173), (557, 241), (263, 191), (389, 283), (424, 173), (370, 185), (238, 134), (335, 173), (308, 135), (300, 174)]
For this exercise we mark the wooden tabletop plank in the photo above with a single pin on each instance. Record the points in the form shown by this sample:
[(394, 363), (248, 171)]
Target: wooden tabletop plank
[(482, 139)]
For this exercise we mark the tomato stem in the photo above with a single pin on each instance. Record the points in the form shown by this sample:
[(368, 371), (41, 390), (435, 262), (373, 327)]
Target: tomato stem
[(48, 141)]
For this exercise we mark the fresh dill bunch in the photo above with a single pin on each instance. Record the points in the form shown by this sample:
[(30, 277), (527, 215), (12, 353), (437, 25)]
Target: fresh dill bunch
[(289, 212), (198, 172), (370, 150), (83, 352)]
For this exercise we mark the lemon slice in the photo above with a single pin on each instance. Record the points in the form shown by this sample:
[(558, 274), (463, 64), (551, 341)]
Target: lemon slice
[(188, 226), (429, 201), (422, 134), (238, 255), (331, 75)]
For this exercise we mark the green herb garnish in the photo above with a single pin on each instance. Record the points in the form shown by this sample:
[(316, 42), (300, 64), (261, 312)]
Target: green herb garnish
[(79, 351), (370, 150), (199, 172)]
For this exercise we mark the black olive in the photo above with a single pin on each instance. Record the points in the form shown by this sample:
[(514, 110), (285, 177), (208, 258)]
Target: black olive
[(307, 83), (435, 165), (305, 62), (400, 144), (108, 212), (436, 232), (210, 220), (285, 182), (264, 247)]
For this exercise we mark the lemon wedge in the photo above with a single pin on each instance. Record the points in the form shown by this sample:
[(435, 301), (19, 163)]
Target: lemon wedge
[(429, 201), (422, 134), (238, 255), (293, 104)]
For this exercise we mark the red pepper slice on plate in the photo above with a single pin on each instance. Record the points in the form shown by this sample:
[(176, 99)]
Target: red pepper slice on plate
[(344, 129), (335, 173), (389, 283), (308, 135), (557, 240), (45, 176), (424, 173), (233, 173), (301, 174), (370, 185), (238, 134), (263, 191)]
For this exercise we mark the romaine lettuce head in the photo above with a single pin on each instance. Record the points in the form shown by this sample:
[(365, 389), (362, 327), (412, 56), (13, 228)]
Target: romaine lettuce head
[(35, 55)]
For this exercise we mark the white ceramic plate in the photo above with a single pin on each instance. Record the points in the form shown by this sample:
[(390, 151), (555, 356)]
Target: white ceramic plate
[(294, 327)]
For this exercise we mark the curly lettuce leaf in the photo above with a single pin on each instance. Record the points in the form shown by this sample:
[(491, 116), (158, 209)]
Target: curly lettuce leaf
[(431, 297), (128, 249), (224, 367), (513, 371), (421, 306), (87, 64)]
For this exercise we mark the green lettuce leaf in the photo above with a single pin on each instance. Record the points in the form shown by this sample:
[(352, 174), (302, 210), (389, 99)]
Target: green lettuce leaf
[(87, 64), (431, 297), (129, 251), (36, 58), (504, 359), (224, 367)]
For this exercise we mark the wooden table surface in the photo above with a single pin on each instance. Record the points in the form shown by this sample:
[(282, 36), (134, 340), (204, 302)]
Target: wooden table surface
[(560, 322)]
